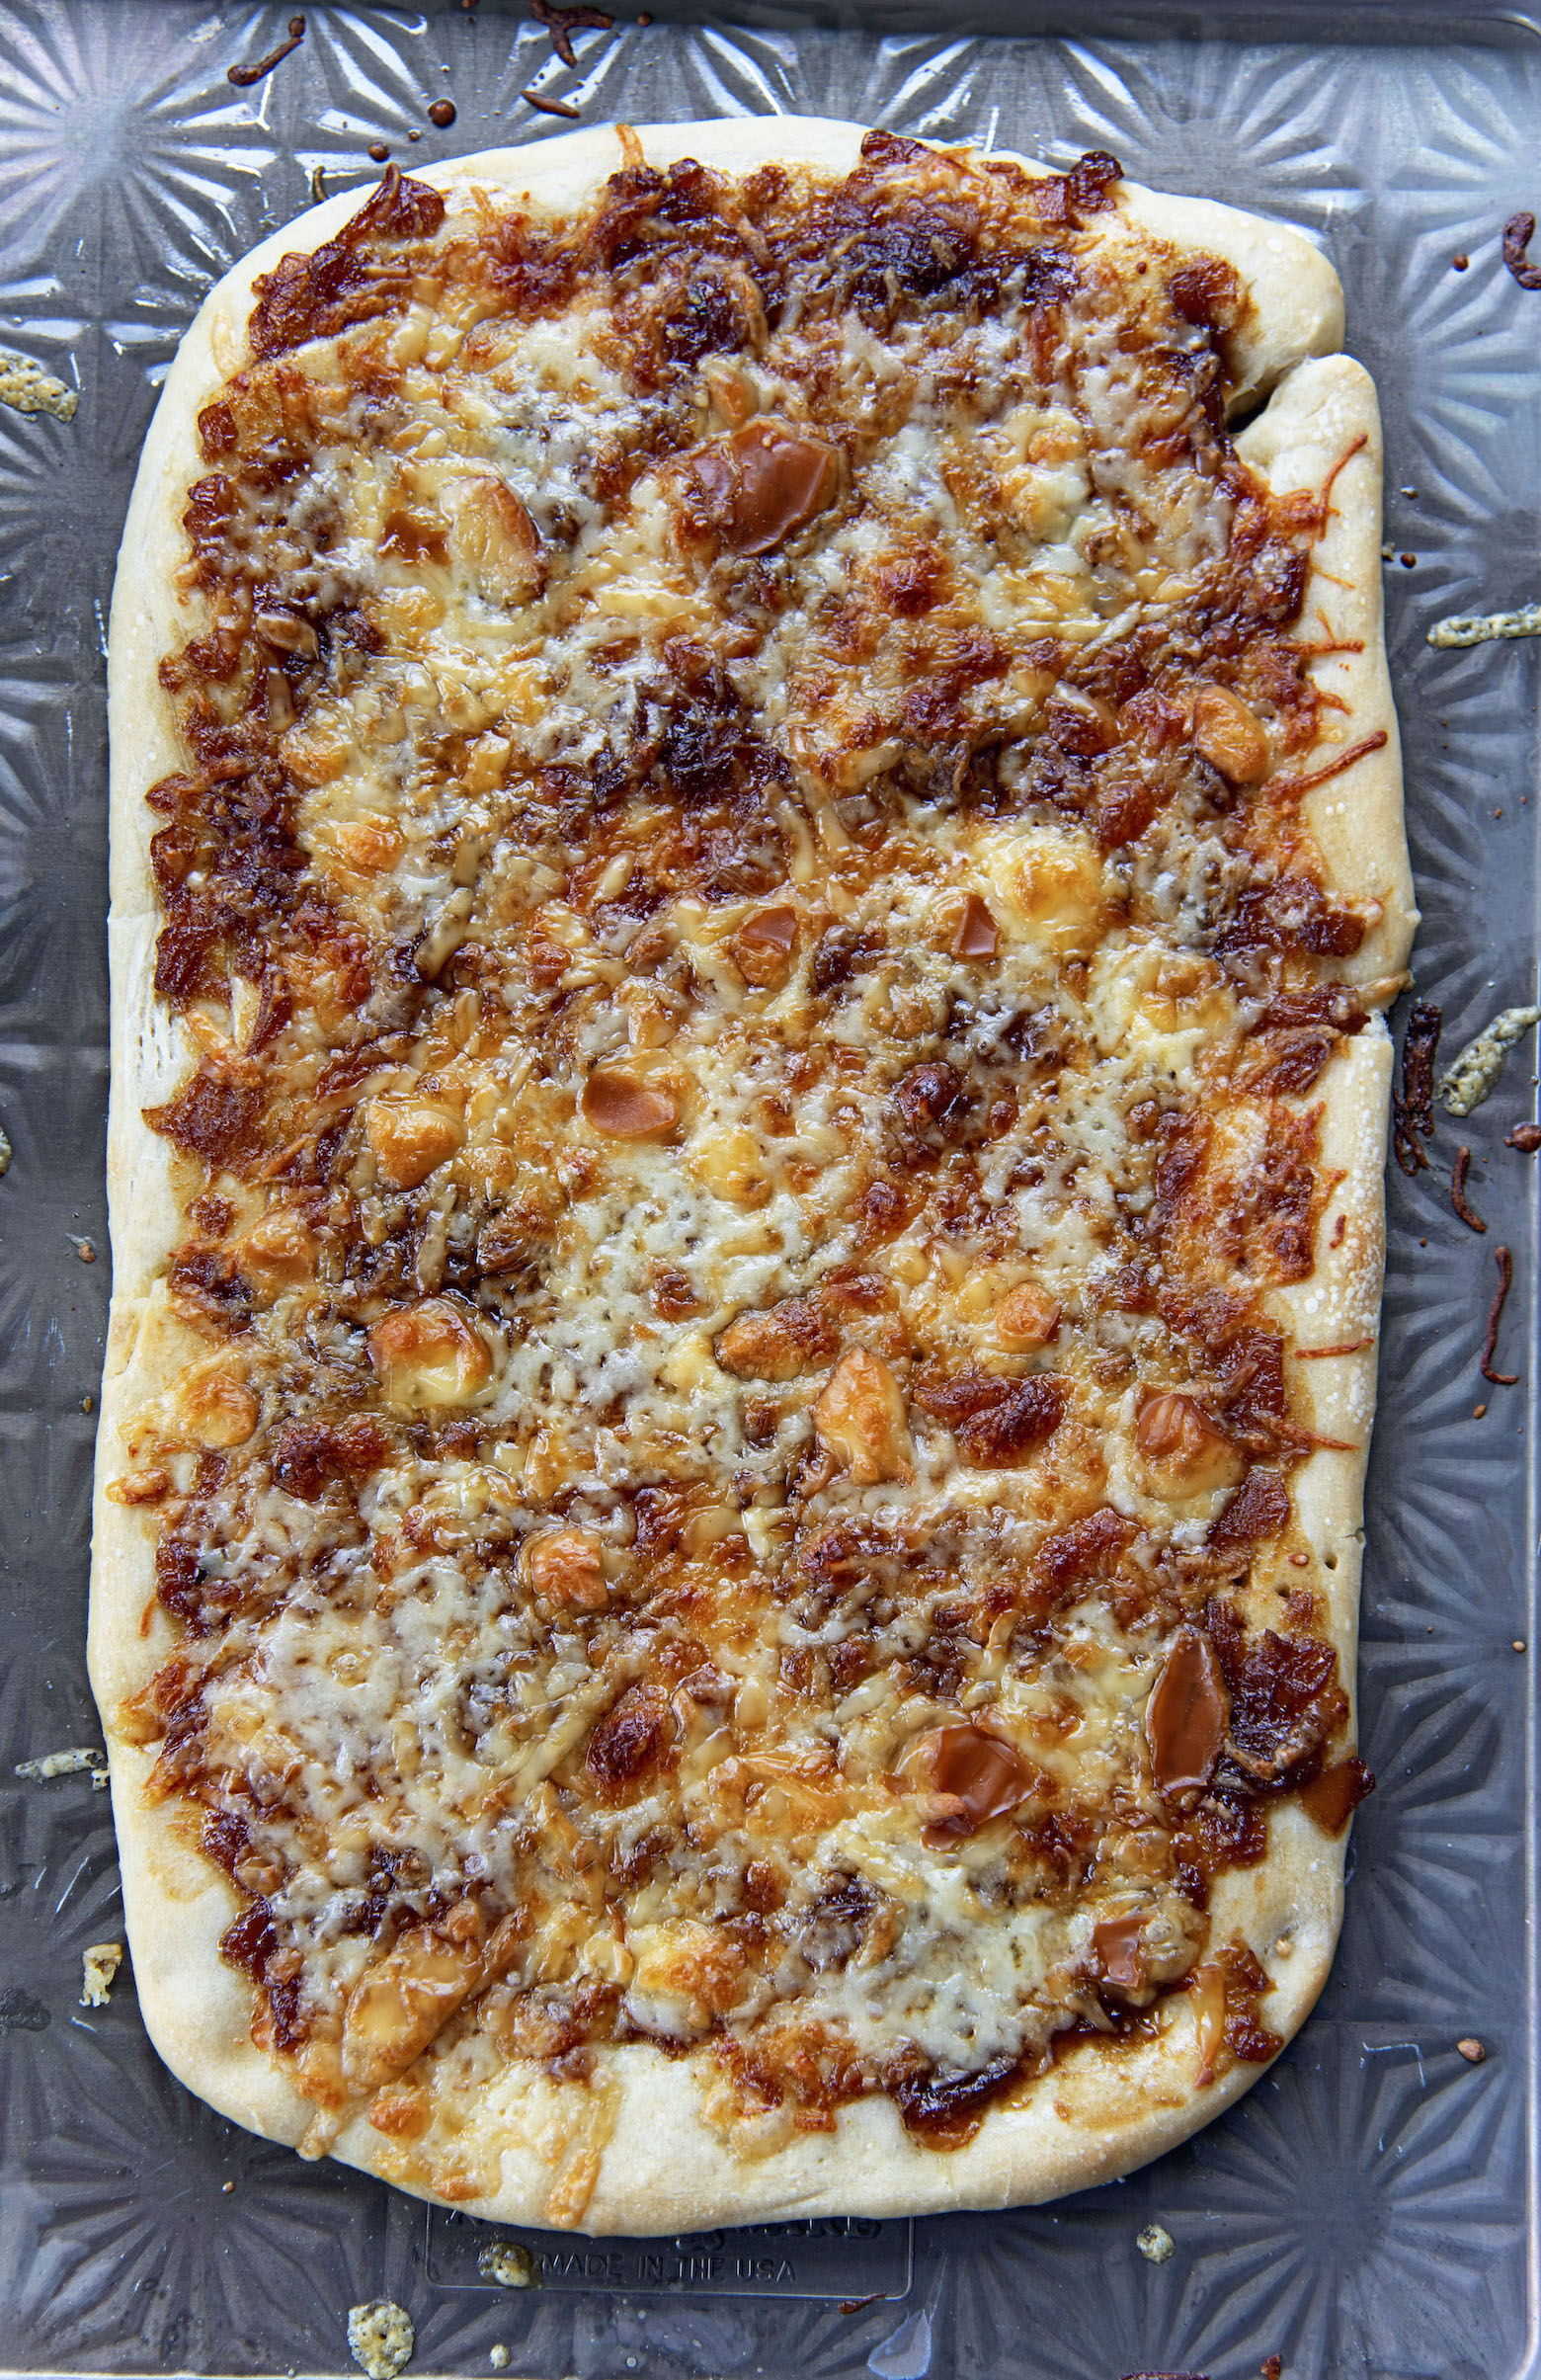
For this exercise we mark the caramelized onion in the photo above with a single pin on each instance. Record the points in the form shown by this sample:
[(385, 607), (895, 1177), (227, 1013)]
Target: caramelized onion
[(1176, 1432), (1186, 1716), (1118, 1954), (762, 482), (976, 933), (764, 944), (624, 1109), (980, 1773)]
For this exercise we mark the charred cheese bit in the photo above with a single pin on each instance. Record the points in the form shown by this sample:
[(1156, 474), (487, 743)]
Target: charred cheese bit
[(567, 1567), (100, 1962), (430, 1354), (411, 1137), (1229, 735), (793, 1337), (407, 1996), (278, 1252), (1026, 1317), (372, 845), (860, 1416), (685, 1976), (1059, 891), (217, 1409)]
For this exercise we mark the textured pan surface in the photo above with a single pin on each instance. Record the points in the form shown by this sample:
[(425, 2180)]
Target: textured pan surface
[(1369, 2208)]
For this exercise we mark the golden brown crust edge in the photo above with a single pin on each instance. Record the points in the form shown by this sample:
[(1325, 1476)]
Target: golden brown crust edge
[(1091, 2118)]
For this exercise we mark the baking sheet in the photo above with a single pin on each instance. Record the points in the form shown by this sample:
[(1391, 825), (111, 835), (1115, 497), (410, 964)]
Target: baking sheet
[(1370, 2208)]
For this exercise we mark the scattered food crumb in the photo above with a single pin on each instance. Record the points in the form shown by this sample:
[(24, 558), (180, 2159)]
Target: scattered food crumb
[(1471, 2049), (1459, 264), (1518, 233), (1519, 1644), (442, 112), (88, 1403), (1475, 1072), (319, 184), (1271, 2366), (1478, 1411), (62, 1764), (100, 1964), (499, 2357), (243, 77), (414, 134), (509, 2265), (856, 2305), (1525, 1137), (25, 386), (380, 2338), (1484, 628), (378, 151), (1409, 561), (1458, 1199), (562, 22), (1284, 1947), (5, 1154), (1155, 2242), (1506, 1264), (550, 107), (1413, 1107), (83, 1248), (227, 2188)]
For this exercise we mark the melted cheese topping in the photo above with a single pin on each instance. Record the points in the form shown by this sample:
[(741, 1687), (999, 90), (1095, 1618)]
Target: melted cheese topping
[(745, 1023)]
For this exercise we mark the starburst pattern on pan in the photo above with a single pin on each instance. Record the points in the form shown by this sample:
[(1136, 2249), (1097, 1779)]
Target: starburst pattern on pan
[(121, 140), (1362, 2210)]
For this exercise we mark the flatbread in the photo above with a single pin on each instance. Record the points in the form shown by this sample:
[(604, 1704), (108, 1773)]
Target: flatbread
[(649, 2124)]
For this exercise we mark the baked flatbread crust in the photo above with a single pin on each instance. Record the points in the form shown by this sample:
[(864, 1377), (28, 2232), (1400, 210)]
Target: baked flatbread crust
[(659, 2168)]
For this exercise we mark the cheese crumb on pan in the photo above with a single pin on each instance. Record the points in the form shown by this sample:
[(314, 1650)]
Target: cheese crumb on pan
[(1474, 1077), (380, 2338), (72, 1763), (101, 1963), (1484, 628), (27, 388)]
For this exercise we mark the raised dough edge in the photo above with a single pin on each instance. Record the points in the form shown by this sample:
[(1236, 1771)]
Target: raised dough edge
[(663, 2169)]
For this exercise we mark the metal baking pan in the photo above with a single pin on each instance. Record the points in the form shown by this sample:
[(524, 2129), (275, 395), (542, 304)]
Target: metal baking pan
[(1371, 2208)]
